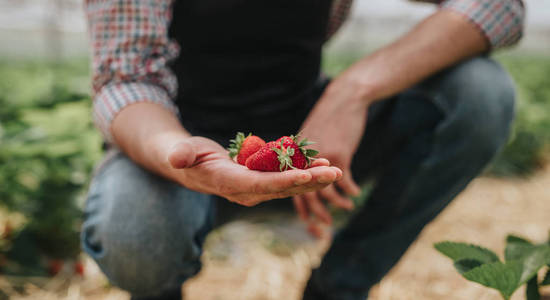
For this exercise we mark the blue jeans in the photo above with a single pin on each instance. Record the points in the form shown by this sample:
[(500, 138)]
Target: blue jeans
[(421, 148)]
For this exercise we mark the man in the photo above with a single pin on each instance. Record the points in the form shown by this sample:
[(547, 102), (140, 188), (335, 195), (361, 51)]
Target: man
[(174, 80)]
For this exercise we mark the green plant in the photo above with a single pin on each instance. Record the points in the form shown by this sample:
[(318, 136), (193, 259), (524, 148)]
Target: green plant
[(47, 149), (521, 265)]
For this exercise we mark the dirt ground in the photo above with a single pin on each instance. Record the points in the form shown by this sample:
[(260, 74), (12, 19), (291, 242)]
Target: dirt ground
[(271, 258)]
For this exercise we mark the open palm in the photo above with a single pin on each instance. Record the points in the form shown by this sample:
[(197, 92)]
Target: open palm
[(205, 166)]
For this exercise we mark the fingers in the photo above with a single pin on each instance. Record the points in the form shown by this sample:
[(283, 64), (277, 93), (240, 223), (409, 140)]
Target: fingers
[(331, 195), (315, 229), (250, 188), (320, 179), (293, 182), (313, 226), (182, 155), (318, 208), (326, 174), (348, 185), (320, 162), (301, 207)]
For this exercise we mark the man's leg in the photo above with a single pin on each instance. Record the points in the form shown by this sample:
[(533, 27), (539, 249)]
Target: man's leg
[(144, 231), (421, 148)]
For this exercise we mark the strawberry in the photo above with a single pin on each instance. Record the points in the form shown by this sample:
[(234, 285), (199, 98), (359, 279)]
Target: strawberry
[(79, 268), (55, 266), (302, 156), (281, 155), (242, 147), (266, 159)]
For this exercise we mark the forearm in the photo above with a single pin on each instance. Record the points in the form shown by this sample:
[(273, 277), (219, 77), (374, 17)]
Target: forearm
[(146, 132), (441, 40)]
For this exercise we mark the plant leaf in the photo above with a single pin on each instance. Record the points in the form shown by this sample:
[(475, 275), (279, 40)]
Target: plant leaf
[(304, 143), (459, 251), (497, 275), (532, 291), (311, 152), (516, 247), (465, 265), (290, 151), (533, 261), (517, 239), (236, 143)]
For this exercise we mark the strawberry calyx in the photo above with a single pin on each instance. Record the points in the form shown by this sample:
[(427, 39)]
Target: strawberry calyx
[(284, 155), (236, 144), (302, 144)]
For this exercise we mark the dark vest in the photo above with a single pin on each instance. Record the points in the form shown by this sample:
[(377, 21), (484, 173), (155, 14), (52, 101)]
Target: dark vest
[(247, 65)]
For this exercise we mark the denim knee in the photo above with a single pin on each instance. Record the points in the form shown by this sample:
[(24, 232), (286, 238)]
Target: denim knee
[(478, 96), (144, 232)]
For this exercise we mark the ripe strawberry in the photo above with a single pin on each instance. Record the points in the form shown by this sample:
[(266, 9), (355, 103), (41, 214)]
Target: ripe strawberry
[(302, 156), (266, 159), (281, 155), (55, 266), (79, 268), (243, 147)]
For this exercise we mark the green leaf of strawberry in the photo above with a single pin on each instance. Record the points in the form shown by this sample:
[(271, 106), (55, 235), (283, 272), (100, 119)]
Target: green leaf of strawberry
[(236, 143), (311, 153)]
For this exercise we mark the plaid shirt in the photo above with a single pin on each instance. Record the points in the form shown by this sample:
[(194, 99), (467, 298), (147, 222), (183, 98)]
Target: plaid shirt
[(131, 48)]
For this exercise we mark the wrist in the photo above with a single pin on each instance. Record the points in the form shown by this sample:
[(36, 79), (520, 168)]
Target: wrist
[(349, 88), (364, 87)]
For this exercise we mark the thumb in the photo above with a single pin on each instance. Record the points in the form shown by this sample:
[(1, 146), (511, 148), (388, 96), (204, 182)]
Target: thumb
[(182, 155)]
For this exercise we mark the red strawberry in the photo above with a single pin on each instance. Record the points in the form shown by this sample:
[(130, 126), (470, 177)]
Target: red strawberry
[(266, 159), (243, 147), (55, 266), (79, 268), (281, 155), (302, 156)]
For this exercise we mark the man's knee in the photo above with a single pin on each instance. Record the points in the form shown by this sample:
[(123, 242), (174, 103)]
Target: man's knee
[(149, 265), (144, 232), (480, 97)]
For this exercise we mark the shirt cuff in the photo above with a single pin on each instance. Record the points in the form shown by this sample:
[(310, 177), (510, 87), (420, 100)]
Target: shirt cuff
[(500, 21), (114, 97)]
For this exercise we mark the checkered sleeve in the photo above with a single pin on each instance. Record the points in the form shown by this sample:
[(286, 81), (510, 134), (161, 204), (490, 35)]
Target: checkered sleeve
[(130, 51), (338, 15), (500, 21)]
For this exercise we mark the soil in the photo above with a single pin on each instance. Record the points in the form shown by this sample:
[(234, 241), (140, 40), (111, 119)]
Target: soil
[(271, 257)]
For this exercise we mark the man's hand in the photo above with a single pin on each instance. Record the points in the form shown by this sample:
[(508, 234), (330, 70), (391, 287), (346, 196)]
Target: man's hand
[(153, 137), (203, 165), (337, 121), (336, 124)]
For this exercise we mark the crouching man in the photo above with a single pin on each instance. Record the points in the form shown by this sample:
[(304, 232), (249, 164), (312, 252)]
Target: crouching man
[(175, 80)]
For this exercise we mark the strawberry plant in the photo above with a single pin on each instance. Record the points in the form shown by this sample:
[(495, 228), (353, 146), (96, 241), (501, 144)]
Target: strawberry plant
[(48, 146), (522, 262)]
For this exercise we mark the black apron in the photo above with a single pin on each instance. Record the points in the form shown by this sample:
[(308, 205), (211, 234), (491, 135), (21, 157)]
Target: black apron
[(247, 65)]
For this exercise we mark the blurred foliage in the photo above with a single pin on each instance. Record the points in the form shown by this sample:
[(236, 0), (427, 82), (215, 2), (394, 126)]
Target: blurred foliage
[(529, 144), (48, 147)]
